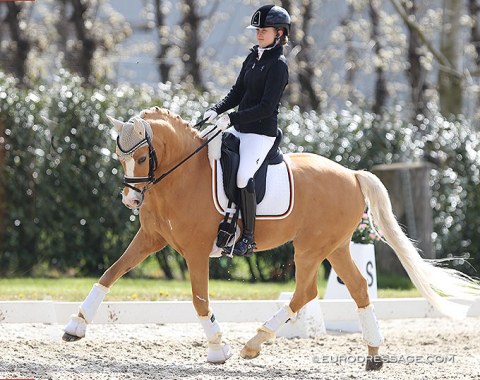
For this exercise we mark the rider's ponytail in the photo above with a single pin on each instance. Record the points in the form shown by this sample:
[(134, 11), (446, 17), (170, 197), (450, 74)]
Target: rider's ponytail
[(284, 37)]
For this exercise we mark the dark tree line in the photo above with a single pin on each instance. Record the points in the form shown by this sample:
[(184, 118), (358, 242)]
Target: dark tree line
[(14, 59), (87, 33), (164, 45), (302, 90), (73, 20), (2, 184)]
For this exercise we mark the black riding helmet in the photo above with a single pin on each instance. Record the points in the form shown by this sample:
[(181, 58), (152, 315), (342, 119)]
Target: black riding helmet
[(270, 16)]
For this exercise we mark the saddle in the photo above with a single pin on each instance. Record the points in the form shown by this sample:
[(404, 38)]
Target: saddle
[(230, 161)]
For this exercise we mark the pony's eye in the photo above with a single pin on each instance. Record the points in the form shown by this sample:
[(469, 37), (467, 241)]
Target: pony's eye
[(142, 159)]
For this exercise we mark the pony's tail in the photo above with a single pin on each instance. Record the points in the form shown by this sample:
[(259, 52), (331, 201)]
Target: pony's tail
[(432, 281)]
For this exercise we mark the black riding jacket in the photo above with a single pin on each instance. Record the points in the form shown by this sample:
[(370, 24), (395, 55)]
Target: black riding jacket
[(257, 92)]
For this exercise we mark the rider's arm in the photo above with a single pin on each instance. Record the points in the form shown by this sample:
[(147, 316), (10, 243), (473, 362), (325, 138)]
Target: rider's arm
[(235, 94), (275, 83)]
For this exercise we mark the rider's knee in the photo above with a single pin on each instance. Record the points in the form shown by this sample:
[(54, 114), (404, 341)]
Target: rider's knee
[(242, 179), (246, 182)]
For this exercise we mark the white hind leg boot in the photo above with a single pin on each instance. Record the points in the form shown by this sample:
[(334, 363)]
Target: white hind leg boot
[(77, 325), (281, 317), (218, 351), (267, 332), (371, 332)]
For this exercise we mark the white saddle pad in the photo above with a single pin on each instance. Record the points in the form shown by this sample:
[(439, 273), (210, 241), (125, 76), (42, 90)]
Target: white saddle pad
[(279, 192)]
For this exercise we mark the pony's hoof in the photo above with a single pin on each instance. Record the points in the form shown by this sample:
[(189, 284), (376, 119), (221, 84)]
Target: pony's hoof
[(269, 342), (70, 338), (374, 363), (219, 355), (249, 353)]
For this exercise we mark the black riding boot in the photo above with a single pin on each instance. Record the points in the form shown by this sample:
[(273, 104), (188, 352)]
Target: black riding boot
[(248, 206)]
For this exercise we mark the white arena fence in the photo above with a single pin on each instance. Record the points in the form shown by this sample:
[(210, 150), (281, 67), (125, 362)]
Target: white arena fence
[(161, 312)]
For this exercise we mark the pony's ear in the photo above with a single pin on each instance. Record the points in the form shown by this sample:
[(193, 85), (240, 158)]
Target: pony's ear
[(117, 124), (139, 127)]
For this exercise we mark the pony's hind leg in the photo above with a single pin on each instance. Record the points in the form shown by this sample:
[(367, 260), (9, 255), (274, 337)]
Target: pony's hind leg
[(140, 247), (356, 284), (306, 269)]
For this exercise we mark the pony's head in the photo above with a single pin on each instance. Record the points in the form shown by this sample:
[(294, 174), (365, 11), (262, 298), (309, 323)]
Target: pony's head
[(135, 152)]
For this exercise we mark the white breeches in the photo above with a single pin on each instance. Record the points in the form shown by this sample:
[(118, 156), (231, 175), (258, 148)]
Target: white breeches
[(253, 150)]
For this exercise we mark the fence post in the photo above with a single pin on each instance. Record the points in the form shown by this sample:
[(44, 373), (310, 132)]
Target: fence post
[(408, 185), (2, 185)]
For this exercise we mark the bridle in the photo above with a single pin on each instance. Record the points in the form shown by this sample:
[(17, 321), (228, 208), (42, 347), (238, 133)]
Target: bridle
[(152, 164), (153, 161)]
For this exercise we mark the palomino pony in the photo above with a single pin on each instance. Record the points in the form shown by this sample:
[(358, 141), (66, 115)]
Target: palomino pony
[(329, 203)]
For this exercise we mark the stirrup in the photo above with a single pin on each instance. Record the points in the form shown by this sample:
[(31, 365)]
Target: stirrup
[(244, 247)]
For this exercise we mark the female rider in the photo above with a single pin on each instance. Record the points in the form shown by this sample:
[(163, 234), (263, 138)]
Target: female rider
[(257, 93)]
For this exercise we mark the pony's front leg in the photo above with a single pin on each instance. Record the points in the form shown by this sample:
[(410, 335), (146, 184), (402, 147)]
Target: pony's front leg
[(218, 350), (140, 247)]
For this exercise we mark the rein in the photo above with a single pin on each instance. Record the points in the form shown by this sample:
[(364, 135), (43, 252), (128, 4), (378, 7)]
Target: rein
[(151, 180)]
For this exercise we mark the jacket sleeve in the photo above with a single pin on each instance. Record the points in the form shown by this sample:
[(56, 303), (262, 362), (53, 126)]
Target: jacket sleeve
[(235, 94), (277, 79)]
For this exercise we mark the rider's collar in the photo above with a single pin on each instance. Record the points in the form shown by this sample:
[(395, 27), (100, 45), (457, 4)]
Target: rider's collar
[(260, 50)]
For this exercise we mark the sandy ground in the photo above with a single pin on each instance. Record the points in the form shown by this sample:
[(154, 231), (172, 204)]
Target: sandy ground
[(416, 349)]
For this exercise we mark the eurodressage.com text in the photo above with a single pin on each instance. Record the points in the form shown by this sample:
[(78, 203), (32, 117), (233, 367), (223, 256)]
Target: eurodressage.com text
[(399, 359)]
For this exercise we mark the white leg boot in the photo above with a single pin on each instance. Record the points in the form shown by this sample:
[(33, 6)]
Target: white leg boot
[(77, 325), (372, 336), (371, 332), (281, 317), (218, 351), (266, 332)]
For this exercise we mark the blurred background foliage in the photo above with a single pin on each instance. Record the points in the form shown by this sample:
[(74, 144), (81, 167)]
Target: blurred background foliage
[(62, 210), (371, 83)]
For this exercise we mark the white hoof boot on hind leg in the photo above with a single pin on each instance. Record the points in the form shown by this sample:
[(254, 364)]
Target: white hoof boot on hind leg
[(218, 353), (370, 329)]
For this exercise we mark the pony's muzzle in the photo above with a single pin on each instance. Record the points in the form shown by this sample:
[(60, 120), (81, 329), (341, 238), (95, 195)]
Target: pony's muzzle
[(132, 199)]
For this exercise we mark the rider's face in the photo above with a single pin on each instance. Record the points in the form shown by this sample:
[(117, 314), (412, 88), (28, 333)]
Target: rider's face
[(266, 36)]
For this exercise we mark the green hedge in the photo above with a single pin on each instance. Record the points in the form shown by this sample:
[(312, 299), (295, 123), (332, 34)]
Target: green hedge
[(62, 186), (62, 204), (356, 139)]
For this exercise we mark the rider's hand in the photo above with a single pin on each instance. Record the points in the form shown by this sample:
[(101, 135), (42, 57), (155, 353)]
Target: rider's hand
[(223, 123), (210, 115)]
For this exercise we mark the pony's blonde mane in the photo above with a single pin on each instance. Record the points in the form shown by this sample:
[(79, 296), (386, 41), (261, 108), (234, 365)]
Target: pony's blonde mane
[(156, 114)]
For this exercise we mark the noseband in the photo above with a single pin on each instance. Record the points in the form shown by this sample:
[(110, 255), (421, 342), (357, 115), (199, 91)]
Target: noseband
[(153, 161), (152, 165)]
